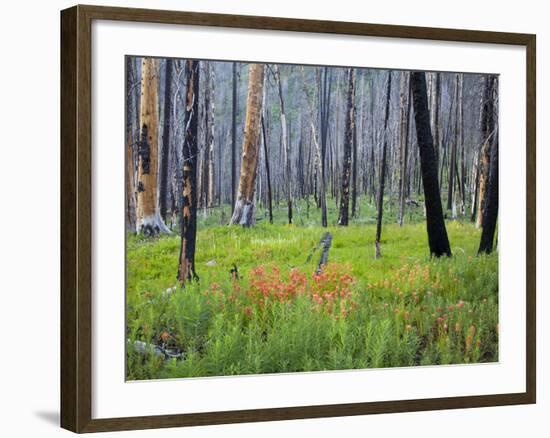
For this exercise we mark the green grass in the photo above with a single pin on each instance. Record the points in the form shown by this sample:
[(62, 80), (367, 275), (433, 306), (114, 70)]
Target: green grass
[(403, 309)]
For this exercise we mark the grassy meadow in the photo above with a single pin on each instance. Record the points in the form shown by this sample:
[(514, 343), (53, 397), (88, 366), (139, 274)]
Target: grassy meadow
[(404, 309)]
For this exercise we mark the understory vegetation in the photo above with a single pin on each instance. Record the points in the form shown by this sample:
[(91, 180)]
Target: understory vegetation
[(259, 307)]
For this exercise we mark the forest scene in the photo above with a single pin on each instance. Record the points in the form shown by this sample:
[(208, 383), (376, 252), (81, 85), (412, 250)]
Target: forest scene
[(290, 218)]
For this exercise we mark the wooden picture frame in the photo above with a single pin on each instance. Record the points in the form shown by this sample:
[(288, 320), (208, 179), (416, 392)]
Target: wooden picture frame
[(76, 217)]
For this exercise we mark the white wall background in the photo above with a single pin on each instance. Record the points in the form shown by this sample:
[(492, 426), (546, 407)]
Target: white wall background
[(29, 224)]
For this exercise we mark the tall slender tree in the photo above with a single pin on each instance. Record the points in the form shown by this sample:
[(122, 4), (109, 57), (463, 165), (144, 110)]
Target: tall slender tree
[(234, 136), (188, 223), (285, 142), (243, 212), (325, 91), (405, 108), (130, 162), (437, 233), (380, 199), (166, 132), (451, 206), (348, 146)]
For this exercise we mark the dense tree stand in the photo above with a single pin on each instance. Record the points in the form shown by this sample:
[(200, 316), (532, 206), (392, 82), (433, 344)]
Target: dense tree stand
[(437, 233)]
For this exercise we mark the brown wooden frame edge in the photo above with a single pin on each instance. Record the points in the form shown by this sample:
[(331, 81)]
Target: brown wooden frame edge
[(76, 225)]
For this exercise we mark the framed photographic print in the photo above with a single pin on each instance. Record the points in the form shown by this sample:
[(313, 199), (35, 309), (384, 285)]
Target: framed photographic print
[(268, 218)]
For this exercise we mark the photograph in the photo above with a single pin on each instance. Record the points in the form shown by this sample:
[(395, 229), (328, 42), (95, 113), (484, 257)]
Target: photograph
[(286, 218)]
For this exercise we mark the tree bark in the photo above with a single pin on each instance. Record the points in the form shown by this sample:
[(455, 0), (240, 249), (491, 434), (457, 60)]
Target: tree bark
[(234, 138), (286, 144), (130, 162), (268, 173), (437, 233), (490, 208), (163, 189), (318, 150), (186, 270), (380, 200), (487, 128), (348, 145), (405, 107), (243, 213), (149, 221), (452, 166), (210, 139), (325, 99), (491, 204)]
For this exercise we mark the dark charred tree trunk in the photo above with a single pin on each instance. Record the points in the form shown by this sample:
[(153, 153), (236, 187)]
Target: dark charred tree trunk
[(167, 126), (437, 233), (490, 213), (348, 146), (380, 200), (186, 271), (490, 207), (487, 131)]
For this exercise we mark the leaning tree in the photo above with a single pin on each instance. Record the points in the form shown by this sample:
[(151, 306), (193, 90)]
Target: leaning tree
[(243, 212), (437, 233)]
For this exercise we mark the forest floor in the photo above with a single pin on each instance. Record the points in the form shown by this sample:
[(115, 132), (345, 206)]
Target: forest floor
[(403, 309)]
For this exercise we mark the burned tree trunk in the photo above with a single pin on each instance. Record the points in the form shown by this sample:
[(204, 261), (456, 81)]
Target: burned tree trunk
[(325, 88), (207, 171), (490, 211), (325, 243), (348, 145), (285, 144), (149, 221), (452, 166), (234, 138), (130, 187), (268, 173), (186, 270), (243, 213), (130, 163), (435, 109), (437, 233), (405, 109), (380, 200), (319, 157), (210, 140), (487, 130), (490, 214), (163, 189)]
